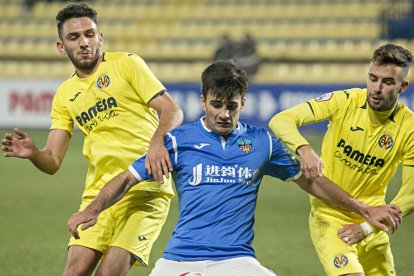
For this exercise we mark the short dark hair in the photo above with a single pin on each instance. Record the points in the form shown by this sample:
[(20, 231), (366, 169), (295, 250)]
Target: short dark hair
[(224, 80), (75, 10), (392, 54)]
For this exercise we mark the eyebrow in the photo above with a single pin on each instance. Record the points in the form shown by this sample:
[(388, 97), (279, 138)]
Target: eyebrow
[(86, 31)]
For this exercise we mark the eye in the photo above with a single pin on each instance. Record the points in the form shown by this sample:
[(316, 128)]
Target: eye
[(232, 106), (216, 104)]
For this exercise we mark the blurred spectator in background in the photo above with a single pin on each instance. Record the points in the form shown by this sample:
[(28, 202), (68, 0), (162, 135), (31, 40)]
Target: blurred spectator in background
[(226, 49), (246, 55)]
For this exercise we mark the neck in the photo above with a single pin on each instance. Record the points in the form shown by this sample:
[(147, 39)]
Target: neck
[(380, 117)]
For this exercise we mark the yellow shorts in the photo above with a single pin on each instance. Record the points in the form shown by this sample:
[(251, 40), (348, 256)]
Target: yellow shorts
[(372, 256), (133, 224)]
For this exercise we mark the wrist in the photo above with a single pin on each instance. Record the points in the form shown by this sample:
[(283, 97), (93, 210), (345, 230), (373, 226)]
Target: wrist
[(302, 148), (366, 227)]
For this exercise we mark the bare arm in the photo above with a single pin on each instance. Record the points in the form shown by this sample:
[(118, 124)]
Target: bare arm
[(47, 160), (325, 189), (110, 194), (158, 162)]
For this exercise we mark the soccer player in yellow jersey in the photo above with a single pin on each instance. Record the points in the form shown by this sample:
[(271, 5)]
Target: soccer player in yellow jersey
[(369, 134), (113, 98)]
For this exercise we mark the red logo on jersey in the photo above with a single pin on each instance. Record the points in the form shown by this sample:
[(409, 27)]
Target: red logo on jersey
[(340, 261), (103, 81), (385, 141)]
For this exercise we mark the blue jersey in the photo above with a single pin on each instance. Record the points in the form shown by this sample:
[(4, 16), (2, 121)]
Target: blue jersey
[(217, 181)]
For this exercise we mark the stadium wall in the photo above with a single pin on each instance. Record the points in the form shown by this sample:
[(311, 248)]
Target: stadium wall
[(27, 103)]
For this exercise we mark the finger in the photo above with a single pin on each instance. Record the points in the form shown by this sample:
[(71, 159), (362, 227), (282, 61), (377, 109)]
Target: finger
[(148, 166), (169, 164), (20, 133), (157, 171), (165, 169), (391, 223), (88, 224), (379, 225)]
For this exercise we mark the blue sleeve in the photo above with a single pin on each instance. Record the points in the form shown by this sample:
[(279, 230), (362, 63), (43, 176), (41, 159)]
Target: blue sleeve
[(137, 168), (282, 164)]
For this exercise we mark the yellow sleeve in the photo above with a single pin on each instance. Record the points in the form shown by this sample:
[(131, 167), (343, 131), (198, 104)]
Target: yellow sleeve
[(142, 79), (285, 124), (405, 197), (60, 116)]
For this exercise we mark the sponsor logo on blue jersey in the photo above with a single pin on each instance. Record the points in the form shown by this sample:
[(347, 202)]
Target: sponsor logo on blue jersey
[(223, 174), (340, 261), (245, 144), (386, 141), (103, 81)]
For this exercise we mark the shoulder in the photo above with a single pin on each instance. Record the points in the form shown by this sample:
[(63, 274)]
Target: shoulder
[(254, 131), (124, 57), (407, 115), (186, 129)]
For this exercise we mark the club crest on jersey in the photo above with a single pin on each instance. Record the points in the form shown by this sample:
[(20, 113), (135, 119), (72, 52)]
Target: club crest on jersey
[(102, 81), (340, 261), (245, 144), (324, 97), (386, 141)]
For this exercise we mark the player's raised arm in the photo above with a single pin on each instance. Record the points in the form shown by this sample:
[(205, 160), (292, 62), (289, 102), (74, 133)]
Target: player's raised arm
[(47, 160), (325, 189), (285, 126), (158, 162), (108, 196)]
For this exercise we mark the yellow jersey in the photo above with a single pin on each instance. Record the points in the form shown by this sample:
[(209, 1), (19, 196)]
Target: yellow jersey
[(111, 109), (361, 149)]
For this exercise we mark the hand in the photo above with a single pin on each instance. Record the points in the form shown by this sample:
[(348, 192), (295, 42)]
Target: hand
[(86, 217), (383, 216), (351, 234), (158, 161), (21, 146), (310, 164)]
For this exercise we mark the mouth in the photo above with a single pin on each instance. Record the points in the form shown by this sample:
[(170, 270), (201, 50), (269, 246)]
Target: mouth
[(376, 99), (224, 124), (85, 54)]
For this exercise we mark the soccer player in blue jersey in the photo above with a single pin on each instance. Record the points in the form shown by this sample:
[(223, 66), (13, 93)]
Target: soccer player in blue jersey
[(218, 164)]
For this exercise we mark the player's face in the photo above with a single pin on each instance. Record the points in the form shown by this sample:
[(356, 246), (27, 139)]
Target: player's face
[(384, 84), (81, 41), (222, 117)]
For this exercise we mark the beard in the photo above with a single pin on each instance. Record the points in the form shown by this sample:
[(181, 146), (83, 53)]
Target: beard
[(84, 65)]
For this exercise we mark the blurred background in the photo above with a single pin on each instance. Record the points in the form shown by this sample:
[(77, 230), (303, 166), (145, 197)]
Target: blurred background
[(292, 50)]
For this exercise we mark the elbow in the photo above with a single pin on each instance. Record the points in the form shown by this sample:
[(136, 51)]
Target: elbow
[(275, 121), (179, 116)]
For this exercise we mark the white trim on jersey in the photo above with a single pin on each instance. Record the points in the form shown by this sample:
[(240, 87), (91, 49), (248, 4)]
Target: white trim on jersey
[(174, 144), (270, 145), (135, 173)]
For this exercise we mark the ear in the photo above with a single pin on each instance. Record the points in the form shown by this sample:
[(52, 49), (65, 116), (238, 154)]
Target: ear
[(60, 47), (242, 102), (203, 102), (404, 86), (100, 39)]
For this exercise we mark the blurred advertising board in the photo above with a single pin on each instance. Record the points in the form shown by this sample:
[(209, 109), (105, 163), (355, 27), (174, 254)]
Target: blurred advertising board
[(27, 103)]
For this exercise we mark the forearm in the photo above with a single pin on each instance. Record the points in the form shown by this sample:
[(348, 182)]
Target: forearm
[(45, 161), (325, 189), (170, 118), (112, 192)]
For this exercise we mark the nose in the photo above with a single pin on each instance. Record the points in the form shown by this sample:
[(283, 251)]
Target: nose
[(84, 42), (378, 86), (224, 114)]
